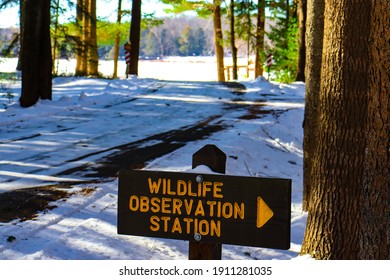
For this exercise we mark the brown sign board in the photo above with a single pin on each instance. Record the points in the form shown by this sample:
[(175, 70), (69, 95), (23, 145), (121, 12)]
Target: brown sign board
[(248, 211)]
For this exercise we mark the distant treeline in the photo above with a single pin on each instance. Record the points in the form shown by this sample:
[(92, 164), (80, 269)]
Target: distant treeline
[(174, 36), (177, 36)]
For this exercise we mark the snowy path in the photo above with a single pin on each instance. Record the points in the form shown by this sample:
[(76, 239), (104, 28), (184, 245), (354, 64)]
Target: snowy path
[(79, 134)]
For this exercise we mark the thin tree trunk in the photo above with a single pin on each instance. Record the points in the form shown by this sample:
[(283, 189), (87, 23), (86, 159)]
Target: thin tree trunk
[(334, 219), (81, 57), (218, 40), (92, 49), (375, 229), (117, 40), (260, 31), (135, 34), (55, 36), (22, 5), (233, 41), (302, 49), (86, 35)]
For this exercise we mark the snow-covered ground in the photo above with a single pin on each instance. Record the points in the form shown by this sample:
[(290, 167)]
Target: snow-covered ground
[(262, 137), (38, 142)]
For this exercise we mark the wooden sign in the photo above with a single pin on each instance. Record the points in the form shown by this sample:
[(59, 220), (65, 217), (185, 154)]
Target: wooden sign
[(210, 208)]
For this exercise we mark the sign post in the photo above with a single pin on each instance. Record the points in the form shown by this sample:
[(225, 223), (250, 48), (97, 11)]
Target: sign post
[(206, 209), (215, 159)]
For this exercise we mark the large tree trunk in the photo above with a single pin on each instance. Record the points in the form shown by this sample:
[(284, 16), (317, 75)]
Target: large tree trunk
[(375, 229), (314, 39), (334, 217), (260, 31), (218, 40), (135, 34), (301, 11), (36, 56)]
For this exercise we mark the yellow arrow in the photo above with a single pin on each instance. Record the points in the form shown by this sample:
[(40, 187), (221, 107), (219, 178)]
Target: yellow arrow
[(264, 213)]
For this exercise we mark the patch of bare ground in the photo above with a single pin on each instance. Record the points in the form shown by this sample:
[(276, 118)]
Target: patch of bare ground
[(26, 204)]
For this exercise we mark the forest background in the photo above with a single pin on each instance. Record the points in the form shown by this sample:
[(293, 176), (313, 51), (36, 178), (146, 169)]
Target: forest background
[(176, 31)]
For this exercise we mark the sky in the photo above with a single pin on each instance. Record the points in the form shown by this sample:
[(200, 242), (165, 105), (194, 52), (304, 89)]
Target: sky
[(105, 8)]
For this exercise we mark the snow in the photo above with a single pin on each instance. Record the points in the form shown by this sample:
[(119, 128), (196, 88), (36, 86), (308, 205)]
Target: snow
[(90, 118)]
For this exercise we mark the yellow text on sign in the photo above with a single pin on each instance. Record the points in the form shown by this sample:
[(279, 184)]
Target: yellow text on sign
[(182, 188)]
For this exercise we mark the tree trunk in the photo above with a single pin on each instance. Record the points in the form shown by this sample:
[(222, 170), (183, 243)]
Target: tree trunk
[(375, 230), (218, 40), (81, 57), (36, 56), (135, 34), (92, 49), (260, 31), (117, 40), (334, 217), (314, 39), (86, 35), (233, 41), (302, 49), (22, 5), (55, 35)]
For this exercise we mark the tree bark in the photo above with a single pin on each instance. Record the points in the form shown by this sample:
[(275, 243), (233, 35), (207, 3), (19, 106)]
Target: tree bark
[(260, 31), (36, 56), (314, 40), (375, 230), (218, 40), (334, 217), (135, 34)]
